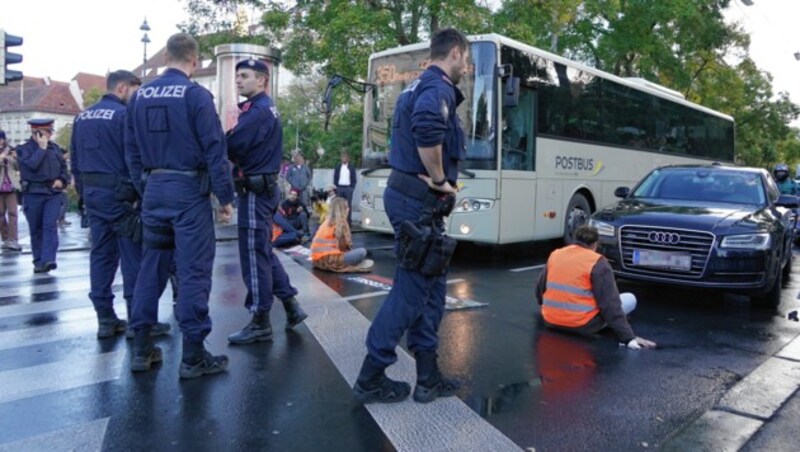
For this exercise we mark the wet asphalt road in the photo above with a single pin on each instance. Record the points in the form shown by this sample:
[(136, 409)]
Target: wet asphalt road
[(541, 389)]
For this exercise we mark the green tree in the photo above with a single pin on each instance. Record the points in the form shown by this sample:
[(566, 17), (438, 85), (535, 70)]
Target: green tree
[(92, 96)]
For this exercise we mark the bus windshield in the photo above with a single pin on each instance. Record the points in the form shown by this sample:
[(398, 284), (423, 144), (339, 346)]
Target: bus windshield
[(392, 73)]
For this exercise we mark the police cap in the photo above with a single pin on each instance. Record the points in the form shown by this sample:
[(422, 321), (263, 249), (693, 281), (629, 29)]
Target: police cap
[(253, 64), (41, 123)]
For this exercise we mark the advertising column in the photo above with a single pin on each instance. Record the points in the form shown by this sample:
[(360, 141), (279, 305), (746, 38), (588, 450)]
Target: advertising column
[(227, 57)]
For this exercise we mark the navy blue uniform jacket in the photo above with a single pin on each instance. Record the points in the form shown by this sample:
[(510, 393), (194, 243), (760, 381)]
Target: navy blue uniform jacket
[(42, 166), (255, 145), (98, 136), (172, 124), (425, 116)]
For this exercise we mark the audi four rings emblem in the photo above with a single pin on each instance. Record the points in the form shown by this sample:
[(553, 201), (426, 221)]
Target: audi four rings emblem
[(666, 238)]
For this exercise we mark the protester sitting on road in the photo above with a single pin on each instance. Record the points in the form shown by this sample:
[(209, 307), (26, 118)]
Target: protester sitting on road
[(578, 293), (296, 212), (284, 234), (332, 247)]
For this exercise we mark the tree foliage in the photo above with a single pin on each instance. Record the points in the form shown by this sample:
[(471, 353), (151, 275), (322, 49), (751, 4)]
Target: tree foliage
[(685, 45)]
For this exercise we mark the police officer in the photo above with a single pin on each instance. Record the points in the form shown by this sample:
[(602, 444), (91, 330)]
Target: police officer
[(103, 182), (255, 147), (427, 145), (175, 139), (44, 177)]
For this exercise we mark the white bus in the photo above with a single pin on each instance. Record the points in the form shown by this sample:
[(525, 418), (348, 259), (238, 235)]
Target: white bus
[(548, 139)]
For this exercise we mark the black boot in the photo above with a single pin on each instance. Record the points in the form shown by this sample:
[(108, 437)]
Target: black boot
[(373, 385), (294, 313), (158, 329), (259, 329), (110, 327), (197, 361), (430, 382), (145, 354)]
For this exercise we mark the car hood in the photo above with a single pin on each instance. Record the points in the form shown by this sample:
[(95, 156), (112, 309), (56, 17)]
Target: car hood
[(686, 214)]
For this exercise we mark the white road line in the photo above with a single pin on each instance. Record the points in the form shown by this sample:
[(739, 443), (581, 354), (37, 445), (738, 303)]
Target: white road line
[(446, 424), (58, 376), (385, 292), (87, 436), (525, 269)]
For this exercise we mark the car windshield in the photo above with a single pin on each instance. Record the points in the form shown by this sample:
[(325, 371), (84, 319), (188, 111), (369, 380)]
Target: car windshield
[(703, 184)]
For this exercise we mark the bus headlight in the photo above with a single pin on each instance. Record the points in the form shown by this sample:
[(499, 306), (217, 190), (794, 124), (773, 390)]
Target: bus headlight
[(473, 205), (366, 200), (464, 229)]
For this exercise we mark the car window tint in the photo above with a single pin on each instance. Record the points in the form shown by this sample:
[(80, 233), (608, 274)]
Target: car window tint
[(701, 184)]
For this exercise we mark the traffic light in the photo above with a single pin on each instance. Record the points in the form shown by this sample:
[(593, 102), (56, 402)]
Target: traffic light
[(6, 58)]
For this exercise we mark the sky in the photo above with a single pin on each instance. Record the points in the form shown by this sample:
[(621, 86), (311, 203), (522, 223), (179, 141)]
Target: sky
[(64, 37)]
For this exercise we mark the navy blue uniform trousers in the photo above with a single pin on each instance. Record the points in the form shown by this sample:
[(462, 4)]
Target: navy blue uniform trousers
[(262, 271), (416, 301), (41, 212), (175, 202), (107, 247)]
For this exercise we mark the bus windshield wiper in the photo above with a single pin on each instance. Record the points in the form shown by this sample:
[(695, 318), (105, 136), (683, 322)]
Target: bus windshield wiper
[(467, 173), (380, 166)]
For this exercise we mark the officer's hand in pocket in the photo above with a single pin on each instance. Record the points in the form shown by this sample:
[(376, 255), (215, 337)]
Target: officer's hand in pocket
[(225, 213)]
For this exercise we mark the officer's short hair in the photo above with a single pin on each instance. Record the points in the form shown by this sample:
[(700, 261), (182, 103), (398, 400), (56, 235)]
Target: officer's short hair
[(443, 41), (587, 234), (121, 76), (181, 47)]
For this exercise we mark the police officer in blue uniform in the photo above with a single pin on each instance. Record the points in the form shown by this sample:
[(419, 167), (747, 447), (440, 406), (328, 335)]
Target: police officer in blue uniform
[(175, 140), (255, 146), (103, 182), (427, 145), (43, 171)]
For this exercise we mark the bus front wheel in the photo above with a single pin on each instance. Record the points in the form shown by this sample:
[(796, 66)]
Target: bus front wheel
[(578, 212)]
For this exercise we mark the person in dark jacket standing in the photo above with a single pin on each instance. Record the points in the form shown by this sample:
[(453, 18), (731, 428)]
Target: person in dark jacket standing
[(344, 178), (578, 293), (175, 139), (43, 172), (299, 177), (103, 182), (427, 144), (255, 147)]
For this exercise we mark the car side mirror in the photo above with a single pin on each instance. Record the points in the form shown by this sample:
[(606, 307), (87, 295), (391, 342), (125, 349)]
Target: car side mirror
[(622, 192), (788, 201)]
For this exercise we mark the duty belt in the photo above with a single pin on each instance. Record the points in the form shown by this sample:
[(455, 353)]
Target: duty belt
[(411, 185), (104, 180), (193, 173)]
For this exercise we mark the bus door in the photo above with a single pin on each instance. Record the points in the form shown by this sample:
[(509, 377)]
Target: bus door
[(518, 168)]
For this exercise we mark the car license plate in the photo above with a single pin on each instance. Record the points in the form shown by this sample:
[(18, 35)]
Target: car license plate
[(663, 259)]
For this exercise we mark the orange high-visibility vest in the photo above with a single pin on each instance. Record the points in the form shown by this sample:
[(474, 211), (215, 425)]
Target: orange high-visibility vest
[(324, 242), (276, 232), (568, 300)]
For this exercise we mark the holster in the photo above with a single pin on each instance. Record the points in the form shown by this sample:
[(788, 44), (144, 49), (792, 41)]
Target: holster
[(125, 191), (260, 184), (425, 248), (130, 225)]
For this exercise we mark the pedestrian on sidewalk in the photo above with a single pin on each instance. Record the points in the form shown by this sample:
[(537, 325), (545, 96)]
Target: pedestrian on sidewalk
[(255, 146), (44, 178), (9, 186), (299, 177), (332, 247), (344, 178), (174, 138), (427, 144), (111, 202), (578, 293)]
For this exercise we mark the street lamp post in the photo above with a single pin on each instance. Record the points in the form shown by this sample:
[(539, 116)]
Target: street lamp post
[(145, 40)]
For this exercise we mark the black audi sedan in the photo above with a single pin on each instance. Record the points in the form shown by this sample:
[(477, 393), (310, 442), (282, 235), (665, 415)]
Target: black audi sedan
[(709, 226)]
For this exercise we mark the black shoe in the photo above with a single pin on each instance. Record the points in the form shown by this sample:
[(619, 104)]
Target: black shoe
[(159, 329), (40, 269), (294, 313), (145, 354), (207, 365), (49, 266), (382, 390), (258, 330), (109, 327), (430, 382)]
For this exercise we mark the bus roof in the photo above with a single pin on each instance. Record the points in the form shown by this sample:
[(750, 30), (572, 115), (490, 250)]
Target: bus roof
[(655, 90)]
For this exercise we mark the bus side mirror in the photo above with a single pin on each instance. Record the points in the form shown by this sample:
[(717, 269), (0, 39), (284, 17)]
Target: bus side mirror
[(327, 100), (511, 94), (622, 192)]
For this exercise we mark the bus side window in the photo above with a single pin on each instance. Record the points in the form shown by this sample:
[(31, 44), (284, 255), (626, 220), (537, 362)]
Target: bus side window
[(518, 126)]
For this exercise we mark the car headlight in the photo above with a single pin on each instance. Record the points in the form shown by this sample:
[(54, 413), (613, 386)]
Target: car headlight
[(603, 229), (473, 205), (747, 241)]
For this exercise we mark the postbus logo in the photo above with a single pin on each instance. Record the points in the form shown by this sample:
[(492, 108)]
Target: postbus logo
[(576, 165)]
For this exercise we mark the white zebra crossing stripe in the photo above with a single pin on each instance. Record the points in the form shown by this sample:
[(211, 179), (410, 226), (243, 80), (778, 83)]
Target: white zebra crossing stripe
[(87, 436), (47, 378)]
